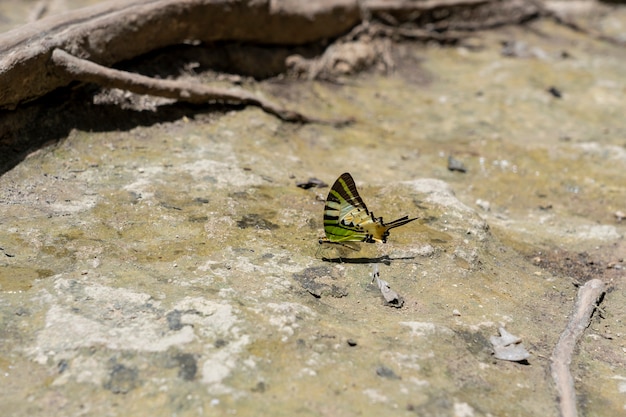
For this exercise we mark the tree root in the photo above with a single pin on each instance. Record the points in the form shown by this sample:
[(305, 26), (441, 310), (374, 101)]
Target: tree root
[(586, 303), (86, 71), (118, 30)]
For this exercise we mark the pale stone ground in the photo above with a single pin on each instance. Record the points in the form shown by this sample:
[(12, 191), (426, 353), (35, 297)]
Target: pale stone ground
[(161, 270)]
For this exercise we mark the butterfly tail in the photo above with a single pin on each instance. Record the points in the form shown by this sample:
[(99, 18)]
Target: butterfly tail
[(396, 223), (399, 222)]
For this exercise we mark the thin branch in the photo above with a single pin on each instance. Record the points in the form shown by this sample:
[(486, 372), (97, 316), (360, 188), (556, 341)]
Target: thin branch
[(90, 72), (586, 303)]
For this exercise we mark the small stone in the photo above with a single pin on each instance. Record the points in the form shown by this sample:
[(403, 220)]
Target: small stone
[(385, 372), (483, 204), (508, 347), (455, 165), (260, 387), (310, 183), (555, 92)]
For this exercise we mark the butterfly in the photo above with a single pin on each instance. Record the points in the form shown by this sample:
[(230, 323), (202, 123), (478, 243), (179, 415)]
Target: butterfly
[(347, 219)]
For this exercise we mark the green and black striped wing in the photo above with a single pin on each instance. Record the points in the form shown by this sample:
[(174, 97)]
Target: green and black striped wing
[(345, 213), (347, 219)]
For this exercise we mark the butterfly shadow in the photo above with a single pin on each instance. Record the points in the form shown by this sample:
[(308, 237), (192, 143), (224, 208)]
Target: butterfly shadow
[(385, 259)]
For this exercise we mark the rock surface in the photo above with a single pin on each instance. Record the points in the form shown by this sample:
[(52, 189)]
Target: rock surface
[(160, 269)]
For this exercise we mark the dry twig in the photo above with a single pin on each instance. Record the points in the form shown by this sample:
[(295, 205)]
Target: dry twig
[(586, 303), (90, 72)]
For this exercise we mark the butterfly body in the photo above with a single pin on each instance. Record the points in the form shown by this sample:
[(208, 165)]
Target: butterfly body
[(347, 219)]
